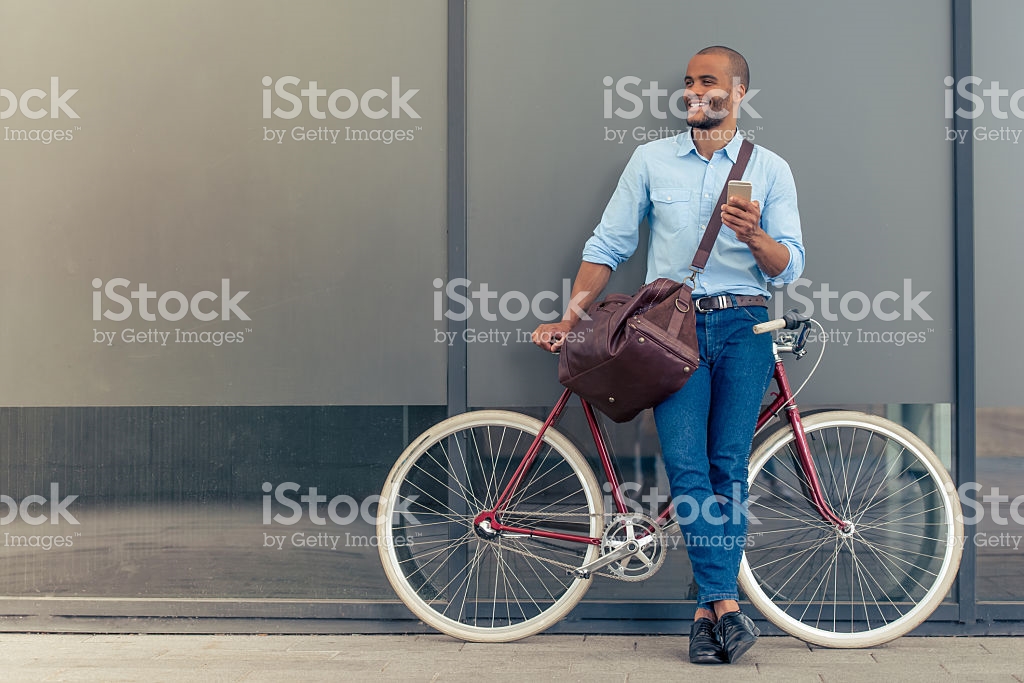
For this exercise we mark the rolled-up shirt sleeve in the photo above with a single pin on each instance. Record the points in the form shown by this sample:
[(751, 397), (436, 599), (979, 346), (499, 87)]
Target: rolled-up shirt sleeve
[(780, 218), (616, 236)]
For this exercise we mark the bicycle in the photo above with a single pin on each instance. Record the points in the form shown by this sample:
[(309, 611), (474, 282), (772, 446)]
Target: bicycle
[(492, 524)]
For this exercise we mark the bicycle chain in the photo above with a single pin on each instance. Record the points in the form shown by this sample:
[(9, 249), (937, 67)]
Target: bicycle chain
[(604, 571)]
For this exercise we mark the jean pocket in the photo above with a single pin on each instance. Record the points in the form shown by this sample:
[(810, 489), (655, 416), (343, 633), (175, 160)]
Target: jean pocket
[(757, 314)]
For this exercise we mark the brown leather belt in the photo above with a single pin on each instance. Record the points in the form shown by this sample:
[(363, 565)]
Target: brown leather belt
[(723, 301)]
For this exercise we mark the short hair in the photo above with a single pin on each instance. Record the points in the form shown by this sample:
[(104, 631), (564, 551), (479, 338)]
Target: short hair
[(737, 64)]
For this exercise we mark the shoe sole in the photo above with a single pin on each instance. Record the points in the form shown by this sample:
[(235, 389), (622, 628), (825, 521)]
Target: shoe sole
[(707, 659)]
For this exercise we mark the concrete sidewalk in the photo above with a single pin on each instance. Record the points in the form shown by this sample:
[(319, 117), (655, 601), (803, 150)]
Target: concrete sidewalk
[(152, 658)]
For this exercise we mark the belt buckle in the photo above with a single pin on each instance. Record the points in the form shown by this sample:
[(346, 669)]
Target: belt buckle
[(718, 303)]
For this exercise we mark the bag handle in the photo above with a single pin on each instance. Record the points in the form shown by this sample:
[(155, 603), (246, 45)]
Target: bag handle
[(707, 242)]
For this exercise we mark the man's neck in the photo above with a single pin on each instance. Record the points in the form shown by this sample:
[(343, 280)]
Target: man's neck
[(707, 142)]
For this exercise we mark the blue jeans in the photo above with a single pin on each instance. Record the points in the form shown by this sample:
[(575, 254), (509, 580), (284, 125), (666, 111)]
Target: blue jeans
[(706, 429)]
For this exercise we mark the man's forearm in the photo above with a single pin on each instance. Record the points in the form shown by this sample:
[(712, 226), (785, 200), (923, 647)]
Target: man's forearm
[(590, 282), (771, 256)]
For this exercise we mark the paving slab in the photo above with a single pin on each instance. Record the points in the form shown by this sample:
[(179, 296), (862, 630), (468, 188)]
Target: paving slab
[(432, 658)]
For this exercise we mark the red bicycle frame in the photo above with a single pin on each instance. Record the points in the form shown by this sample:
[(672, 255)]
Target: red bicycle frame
[(783, 401)]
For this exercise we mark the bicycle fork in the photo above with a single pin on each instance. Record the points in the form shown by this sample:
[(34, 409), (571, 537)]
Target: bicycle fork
[(784, 398)]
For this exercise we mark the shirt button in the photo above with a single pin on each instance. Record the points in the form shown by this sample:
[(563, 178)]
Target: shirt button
[(706, 194), (669, 198), (702, 226)]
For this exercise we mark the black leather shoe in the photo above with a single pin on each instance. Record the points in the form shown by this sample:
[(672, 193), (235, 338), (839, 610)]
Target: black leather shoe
[(705, 647), (737, 633)]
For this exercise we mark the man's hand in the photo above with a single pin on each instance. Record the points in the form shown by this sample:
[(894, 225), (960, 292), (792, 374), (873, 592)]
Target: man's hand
[(744, 218), (590, 280), (551, 336)]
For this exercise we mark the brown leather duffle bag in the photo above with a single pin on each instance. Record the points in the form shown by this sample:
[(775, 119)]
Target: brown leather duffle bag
[(634, 352)]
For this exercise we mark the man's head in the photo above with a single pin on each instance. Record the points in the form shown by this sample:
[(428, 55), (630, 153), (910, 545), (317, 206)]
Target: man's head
[(717, 78)]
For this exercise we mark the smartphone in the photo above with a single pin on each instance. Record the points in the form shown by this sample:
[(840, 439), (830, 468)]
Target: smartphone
[(740, 188)]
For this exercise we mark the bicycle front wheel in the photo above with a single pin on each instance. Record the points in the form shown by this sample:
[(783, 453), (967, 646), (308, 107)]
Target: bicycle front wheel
[(882, 577), (467, 582)]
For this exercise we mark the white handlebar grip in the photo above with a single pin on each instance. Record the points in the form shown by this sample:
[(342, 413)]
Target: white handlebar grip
[(769, 326)]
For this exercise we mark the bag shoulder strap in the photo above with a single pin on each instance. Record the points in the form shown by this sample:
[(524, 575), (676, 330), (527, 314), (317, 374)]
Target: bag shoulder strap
[(707, 242)]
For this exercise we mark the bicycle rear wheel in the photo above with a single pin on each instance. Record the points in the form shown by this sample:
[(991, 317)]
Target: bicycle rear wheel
[(875, 582), (477, 586)]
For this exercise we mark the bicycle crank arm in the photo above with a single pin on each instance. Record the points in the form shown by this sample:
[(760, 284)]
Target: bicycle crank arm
[(626, 549)]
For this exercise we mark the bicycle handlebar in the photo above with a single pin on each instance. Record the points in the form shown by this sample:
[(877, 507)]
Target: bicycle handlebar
[(790, 321), (769, 326)]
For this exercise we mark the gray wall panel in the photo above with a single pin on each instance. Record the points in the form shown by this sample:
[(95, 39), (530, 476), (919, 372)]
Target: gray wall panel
[(169, 180), (852, 102)]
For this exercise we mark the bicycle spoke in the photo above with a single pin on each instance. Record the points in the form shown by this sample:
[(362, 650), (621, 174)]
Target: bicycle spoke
[(812, 523), (826, 567), (454, 517), (466, 494), (540, 579), (885, 479), (810, 554), (526, 493), (473, 563), (842, 465), (888, 520), (879, 502), (526, 591), (499, 481), (884, 594), (456, 474), (897, 560), (860, 466), (817, 545), (441, 565)]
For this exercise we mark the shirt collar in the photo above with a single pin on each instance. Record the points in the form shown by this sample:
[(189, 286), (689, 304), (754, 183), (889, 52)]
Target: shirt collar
[(732, 149)]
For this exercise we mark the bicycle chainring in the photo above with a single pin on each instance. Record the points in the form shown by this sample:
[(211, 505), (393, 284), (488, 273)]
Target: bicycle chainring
[(645, 562)]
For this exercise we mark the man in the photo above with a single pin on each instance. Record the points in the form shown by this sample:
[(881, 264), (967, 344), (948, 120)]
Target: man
[(706, 428)]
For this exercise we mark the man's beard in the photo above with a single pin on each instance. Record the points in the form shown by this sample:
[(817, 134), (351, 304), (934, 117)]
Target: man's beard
[(710, 118), (705, 123)]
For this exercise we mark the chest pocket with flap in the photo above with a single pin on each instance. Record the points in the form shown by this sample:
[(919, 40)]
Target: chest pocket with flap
[(671, 206)]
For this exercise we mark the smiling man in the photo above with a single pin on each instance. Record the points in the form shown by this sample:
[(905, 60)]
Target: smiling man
[(706, 428)]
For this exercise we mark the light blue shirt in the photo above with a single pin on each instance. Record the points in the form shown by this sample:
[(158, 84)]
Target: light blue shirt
[(676, 189)]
